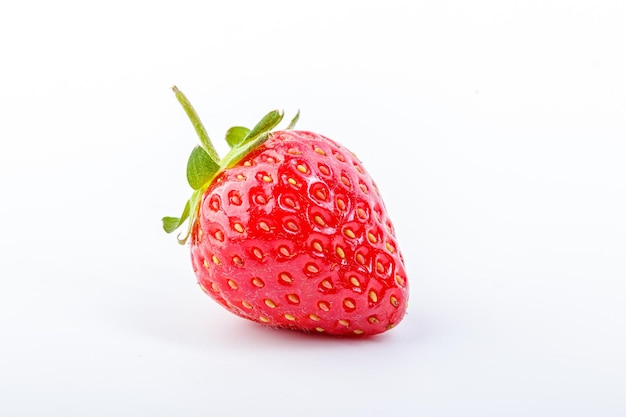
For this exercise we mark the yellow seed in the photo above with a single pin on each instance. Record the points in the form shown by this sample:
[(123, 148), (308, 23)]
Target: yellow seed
[(344, 322), (219, 235), (389, 247), (216, 260), (317, 246), (361, 213), (290, 317), (284, 251), (292, 181), (302, 168), (373, 296), (349, 304), (373, 320), (327, 284), (270, 303), (312, 268), (319, 329), (246, 304), (345, 181), (341, 204), (238, 227), (257, 253), (258, 282), (206, 263), (320, 195), (237, 260), (339, 157), (286, 277), (360, 259), (264, 226), (261, 199), (320, 151), (214, 287), (294, 151), (247, 164), (323, 305), (319, 220), (267, 178), (324, 169), (379, 267), (371, 237), (349, 233), (358, 169), (340, 252), (314, 317), (264, 319), (394, 301), (400, 280), (293, 298), (354, 281), (241, 177), (363, 187), (292, 226), (358, 331), (232, 284)]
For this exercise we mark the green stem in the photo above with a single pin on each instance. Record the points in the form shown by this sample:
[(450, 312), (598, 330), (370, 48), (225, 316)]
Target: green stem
[(197, 125)]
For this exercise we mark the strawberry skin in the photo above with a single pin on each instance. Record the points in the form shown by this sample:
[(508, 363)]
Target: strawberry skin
[(294, 234)]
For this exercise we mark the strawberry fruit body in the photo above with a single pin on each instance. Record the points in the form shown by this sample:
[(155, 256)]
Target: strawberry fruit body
[(290, 231)]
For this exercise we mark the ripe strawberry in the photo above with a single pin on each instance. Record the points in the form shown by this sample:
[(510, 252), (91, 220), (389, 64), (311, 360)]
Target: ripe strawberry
[(290, 231)]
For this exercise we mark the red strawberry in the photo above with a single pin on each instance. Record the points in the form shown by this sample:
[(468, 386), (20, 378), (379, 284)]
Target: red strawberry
[(290, 231)]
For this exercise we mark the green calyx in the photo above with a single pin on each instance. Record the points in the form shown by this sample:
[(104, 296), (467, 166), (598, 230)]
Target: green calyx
[(204, 163)]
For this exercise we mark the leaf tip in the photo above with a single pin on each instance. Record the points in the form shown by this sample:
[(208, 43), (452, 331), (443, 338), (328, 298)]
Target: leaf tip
[(293, 121), (170, 223)]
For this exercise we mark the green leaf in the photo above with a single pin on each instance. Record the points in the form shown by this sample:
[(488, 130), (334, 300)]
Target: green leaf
[(293, 122), (197, 125), (194, 205), (237, 154), (267, 123), (200, 168), (259, 134), (172, 223), (235, 135)]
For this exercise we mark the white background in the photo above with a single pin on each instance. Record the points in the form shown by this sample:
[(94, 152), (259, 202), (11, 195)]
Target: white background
[(496, 131)]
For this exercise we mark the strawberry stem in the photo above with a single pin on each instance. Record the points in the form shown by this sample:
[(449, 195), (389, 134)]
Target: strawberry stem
[(205, 141)]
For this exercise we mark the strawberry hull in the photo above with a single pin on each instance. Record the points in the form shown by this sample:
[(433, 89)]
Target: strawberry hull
[(296, 235)]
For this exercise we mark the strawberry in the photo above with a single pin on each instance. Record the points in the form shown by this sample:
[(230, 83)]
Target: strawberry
[(290, 231)]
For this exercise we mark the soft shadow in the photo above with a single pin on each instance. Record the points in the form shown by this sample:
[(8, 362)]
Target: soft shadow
[(188, 318), (215, 328)]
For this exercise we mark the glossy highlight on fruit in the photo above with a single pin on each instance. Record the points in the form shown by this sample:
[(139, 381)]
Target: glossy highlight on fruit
[(290, 231)]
